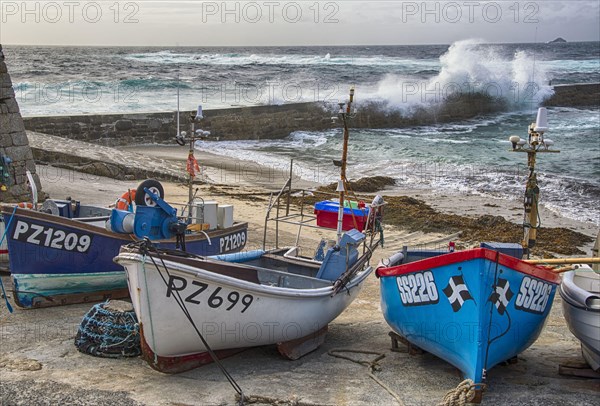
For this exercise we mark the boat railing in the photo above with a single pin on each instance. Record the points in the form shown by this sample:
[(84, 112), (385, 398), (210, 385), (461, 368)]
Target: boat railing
[(289, 206)]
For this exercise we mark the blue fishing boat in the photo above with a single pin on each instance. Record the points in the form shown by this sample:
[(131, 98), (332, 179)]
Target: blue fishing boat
[(473, 308), (66, 256)]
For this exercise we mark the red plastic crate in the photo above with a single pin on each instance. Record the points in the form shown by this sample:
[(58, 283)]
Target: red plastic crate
[(328, 219)]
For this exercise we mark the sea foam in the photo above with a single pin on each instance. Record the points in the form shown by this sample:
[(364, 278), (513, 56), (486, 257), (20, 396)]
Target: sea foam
[(470, 68)]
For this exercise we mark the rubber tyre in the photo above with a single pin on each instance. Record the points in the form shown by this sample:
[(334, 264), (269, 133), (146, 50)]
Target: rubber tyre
[(140, 196)]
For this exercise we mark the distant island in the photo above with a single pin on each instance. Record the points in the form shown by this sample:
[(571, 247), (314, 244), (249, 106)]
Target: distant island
[(557, 41)]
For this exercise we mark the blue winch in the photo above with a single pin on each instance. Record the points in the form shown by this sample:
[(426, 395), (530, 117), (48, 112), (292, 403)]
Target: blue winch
[(157, 222)]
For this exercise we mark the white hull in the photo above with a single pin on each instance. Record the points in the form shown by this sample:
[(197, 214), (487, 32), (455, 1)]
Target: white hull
[(259, 313), (580, 291)]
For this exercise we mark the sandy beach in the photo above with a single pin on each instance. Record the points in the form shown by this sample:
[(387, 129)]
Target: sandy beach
[(39, 363)]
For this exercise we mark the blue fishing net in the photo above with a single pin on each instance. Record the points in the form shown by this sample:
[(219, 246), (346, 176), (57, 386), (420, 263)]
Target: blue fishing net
[(105, 332)]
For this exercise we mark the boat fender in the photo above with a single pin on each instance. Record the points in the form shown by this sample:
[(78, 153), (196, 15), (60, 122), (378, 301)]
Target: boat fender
[(239, 257), (125, 202), (394, 260)]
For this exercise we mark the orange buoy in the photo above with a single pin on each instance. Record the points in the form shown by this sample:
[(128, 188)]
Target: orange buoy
[(25, 205), (125, 200)]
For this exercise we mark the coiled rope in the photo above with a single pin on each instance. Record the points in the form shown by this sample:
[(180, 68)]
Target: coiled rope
[(464, 393)]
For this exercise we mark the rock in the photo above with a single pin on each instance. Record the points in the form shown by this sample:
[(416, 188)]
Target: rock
[(119, 306), (6, 92), (12, 105), (490, 221), (20, 153), (153, 124), (5, 80), (4, 124), (558, 40), (15, 123), (19, 139), (5, 139), (365, 185), (101, 169), (123, 125)]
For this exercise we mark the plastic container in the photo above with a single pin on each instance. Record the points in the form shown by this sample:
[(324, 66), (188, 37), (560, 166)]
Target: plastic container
[(205, 212), (225, 216), (327, 215)]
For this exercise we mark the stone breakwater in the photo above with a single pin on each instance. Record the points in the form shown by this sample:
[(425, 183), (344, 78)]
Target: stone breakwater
[(278, 121), (579, 94), (14, 146), (99, 160), (257, 122)]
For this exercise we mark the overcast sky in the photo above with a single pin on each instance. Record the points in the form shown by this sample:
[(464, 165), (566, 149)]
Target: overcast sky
[(282, 22)]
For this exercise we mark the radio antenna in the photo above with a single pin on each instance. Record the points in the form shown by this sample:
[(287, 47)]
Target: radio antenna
[(533, 84)]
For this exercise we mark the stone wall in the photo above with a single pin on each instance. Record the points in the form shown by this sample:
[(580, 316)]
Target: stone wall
[(270, 122), (248, 123), (575, 95), (256, 122), (13, 144)]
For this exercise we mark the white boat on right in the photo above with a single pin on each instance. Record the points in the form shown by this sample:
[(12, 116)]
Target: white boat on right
[(580, 293)]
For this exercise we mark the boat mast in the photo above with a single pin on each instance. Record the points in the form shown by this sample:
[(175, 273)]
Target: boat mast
[(344, 115), (192, 163), (534, 145), (178, 104)]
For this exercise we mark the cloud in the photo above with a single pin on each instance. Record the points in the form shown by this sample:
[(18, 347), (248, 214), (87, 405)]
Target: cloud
[(283, 22)]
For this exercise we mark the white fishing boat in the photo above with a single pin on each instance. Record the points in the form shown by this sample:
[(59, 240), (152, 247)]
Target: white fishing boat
[(264, 297), (190, 306), (580, 293)]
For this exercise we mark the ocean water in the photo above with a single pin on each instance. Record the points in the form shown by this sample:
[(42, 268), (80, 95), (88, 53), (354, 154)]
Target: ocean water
[(463, 157)]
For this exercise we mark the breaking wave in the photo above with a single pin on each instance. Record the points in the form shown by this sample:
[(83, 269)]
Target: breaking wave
[(469, 67)]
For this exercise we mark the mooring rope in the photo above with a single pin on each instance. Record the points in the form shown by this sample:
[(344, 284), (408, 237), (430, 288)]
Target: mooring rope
[(464, 393), (241, 398), (267, 400), (145, 247), (372, 365)]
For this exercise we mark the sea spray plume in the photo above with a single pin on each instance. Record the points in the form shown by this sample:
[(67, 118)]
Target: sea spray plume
[(471, 67), (470, 73), (531, 80)]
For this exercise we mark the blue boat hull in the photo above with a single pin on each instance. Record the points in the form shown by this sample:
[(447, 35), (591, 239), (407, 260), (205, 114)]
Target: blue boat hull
[(473, 308), (55, 259)]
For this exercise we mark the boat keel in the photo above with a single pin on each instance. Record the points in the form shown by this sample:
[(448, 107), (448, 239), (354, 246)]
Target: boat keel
[(578, 369), (71, 298), (412, 349), (178, 364), (299, 347)]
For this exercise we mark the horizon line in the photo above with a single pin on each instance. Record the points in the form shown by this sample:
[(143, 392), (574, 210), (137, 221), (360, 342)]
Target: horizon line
[(280, 45)]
